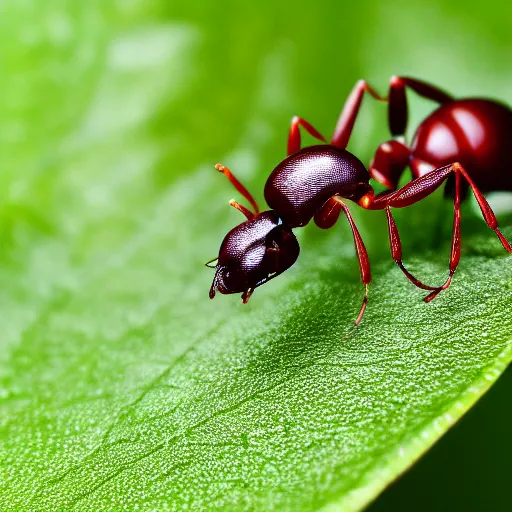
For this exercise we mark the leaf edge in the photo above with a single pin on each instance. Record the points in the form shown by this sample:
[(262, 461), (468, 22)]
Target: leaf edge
[(375, 481)]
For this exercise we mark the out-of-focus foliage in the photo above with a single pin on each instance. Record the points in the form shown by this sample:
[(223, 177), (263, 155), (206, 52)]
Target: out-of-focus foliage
[(122, 385)]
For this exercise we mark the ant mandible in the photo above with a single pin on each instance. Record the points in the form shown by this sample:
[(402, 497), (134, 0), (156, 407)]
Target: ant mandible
[(466, 139)]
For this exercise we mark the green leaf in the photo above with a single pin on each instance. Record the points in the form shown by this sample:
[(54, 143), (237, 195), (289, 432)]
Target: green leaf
[(449, 467), (121, 384)]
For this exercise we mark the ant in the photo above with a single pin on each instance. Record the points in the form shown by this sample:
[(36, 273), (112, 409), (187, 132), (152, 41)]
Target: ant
[(463, 139)]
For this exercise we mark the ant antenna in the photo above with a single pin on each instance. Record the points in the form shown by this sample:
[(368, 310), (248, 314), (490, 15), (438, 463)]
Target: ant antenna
[(238, 186)]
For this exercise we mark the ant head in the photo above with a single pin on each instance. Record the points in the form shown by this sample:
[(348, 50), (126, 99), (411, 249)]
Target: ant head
[(252, 253)]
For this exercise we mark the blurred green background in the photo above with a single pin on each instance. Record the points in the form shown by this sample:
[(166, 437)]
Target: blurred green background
[(166, 88)]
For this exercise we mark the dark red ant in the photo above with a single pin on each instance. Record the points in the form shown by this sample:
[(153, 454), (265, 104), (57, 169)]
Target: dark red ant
[(467, 138)]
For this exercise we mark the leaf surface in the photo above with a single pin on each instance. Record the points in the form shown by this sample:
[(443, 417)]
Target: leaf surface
[(121, 384)]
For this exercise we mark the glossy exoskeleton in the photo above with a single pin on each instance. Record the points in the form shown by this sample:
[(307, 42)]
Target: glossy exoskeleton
[(466, 140)]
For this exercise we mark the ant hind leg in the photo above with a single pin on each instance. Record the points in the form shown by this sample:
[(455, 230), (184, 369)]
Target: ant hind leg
[(421, 187)]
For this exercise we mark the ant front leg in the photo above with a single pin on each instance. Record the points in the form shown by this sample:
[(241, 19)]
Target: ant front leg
[(325, 218), (420, 188), (294, 134)]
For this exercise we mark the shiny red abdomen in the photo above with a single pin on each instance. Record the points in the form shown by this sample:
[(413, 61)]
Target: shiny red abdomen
[(475, 132)]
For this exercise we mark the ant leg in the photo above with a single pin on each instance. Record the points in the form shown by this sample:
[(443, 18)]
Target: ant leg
[(455, 252), (397, 109), (488, 215), (423, 186), (239, 187), (247, 295), (396, 252), (294, 134), (327, 217), (348, 115), (388, 164)]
